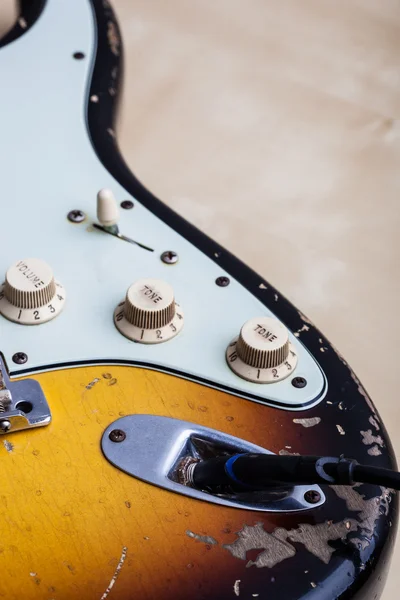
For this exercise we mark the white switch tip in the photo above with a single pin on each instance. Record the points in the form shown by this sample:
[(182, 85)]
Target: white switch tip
[(107, 208)]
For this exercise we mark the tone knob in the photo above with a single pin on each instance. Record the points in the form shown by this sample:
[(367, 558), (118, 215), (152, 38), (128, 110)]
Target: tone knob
[(262, 352), (30, 295), (149, 313)]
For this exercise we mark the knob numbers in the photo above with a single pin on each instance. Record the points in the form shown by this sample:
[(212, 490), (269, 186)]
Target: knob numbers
[(262, 352), (149, 313), (30, 295)]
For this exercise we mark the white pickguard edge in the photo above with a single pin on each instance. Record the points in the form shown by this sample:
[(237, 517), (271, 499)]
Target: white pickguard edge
[(48, 167)]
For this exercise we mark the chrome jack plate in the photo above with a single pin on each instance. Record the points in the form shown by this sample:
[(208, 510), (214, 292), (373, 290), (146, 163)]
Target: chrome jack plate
[(22, 403), (152, 448)]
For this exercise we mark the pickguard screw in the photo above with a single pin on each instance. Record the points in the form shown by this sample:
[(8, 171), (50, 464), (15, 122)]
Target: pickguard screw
[(299, 382), (312, 496), (76, 216), (222, 281), (20, 358), (117, 435), (169, 257), (127, 204), (5, 426), (78, 55)]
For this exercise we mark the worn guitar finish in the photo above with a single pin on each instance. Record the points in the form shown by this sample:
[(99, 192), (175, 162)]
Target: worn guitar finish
[(73, 526)]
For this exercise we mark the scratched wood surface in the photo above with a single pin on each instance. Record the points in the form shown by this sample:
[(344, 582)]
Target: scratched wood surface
[(72, 525), (69, 517)]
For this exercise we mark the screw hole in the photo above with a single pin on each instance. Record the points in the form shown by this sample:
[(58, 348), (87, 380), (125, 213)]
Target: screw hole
[(78, 55), (25, 406)]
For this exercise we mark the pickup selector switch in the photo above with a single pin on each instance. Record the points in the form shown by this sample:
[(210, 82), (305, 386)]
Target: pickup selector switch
[(30, 295), (149, 313), (262, 352)]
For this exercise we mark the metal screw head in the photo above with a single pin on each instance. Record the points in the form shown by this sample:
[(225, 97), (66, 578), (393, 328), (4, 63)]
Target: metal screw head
[(169, 257), (312, 496), (20, 358), (5, 426), (127, 204), (222, 281), (76, 216), (78, 55), (117, 435), (299, 382)]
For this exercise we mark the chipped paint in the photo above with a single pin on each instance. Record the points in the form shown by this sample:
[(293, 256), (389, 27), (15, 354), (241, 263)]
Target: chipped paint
[(303, 328), (285, 452), (262, 286), (374, 423), (8, 446), (363, 393), (275, 547), (336, 351), (310, 422), (374, 451), (340, 429), (116, 573), (276, 297), (304, 318), (316, 537), (368, 438), (22, 23), (206, 539), (313, 584), (113, 38), (236, 587), (369, 510), (92, 383), (94, 98)]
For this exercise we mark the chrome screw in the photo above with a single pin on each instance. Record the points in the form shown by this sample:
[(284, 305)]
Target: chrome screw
[(5, 426), (20, 358), (169, 257), (222, 281), (76, 216), (127, 204), (312, 496), (299, 382), (117, 435)]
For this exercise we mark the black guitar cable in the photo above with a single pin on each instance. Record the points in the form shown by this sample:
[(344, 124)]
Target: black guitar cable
[(263, 471)]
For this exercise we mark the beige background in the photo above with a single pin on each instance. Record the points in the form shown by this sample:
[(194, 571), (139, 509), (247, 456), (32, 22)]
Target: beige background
[(273, 127)]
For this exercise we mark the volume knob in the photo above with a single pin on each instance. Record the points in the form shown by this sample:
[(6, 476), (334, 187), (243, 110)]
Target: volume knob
[(262, 352), (30, 295), (149, 313)]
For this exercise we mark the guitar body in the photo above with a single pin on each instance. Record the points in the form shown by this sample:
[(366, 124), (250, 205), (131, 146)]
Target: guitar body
[(73, 524)]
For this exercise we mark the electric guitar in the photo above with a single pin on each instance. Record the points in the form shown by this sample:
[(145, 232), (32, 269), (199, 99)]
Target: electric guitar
[(133, 350)]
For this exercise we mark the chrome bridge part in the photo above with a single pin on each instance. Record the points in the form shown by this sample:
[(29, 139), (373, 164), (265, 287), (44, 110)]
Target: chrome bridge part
[(22, 403), (158, 450)]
